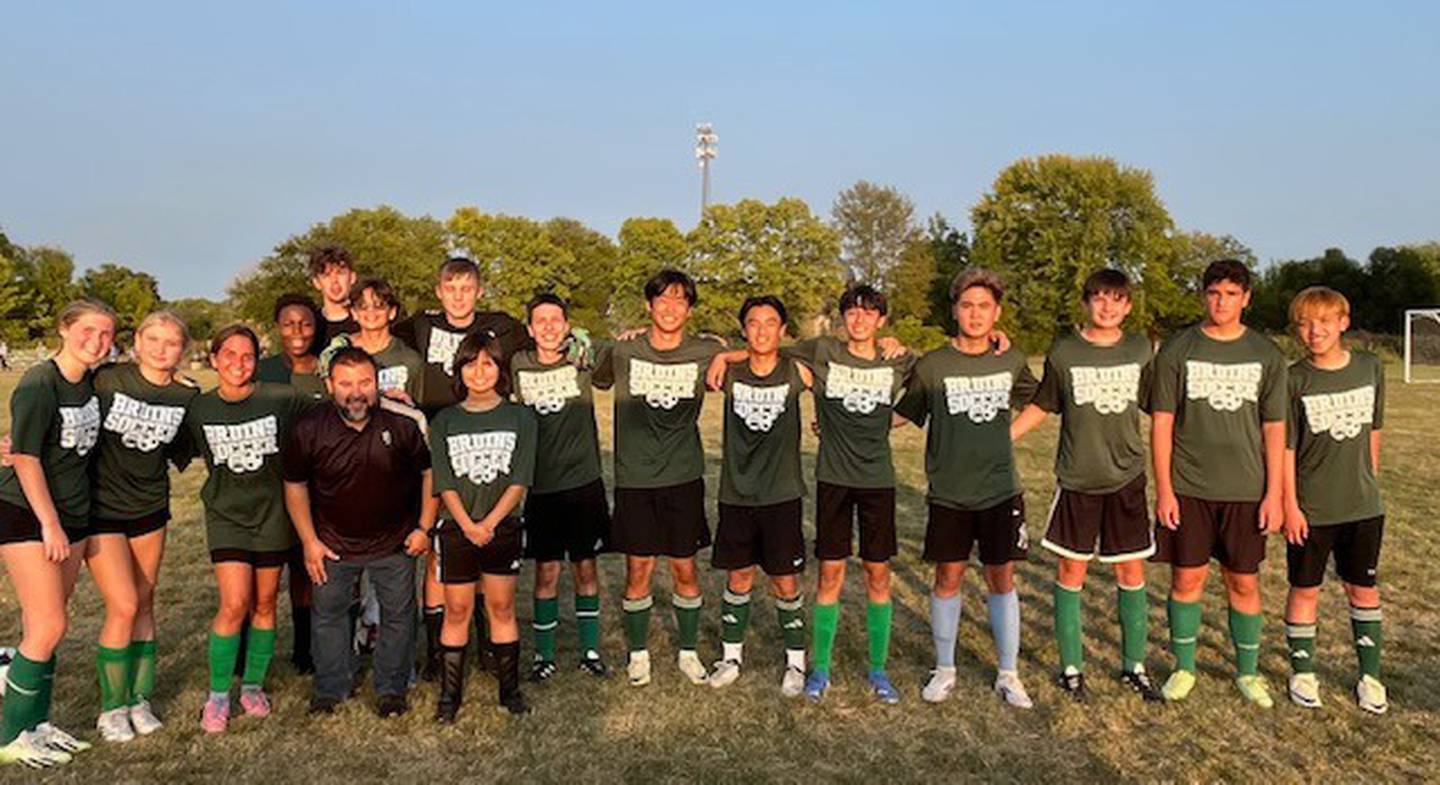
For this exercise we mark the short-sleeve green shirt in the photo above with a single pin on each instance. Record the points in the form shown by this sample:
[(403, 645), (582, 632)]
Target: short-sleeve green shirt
[(1332, 414), (479, 455), (1221, 393), (569, 443), (141, 430), (398, 367), (761, 454), (275, 369), (967, 400), (57, 421)]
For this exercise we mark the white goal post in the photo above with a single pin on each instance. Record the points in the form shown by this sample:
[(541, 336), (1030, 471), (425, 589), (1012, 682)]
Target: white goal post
[(1422, 346)]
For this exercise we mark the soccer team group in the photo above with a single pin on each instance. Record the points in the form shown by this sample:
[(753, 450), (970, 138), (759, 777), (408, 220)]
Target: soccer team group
[(466, 440)]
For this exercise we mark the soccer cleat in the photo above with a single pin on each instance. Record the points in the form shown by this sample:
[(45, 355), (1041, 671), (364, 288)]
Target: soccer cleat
[(391, 706), (26, 751), (882, 689), (1370, 695), (215, 717), (57, 739), (1008, 684), (114, 725), (638, 668), (593, 665), (724, 673), (1139, 683), (1072, 682), (542, 670), (942, 681), (792, 683), (692, 667), (1305, 690), (255, 703), (816, 685), (1255, 691), (1178, 686), (322, 705), (143, 719), (516, 704)]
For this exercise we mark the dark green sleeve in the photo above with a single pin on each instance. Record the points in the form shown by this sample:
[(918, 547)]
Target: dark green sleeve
[(1379, 421), (522, 469), (33, 409), (602, 373), (1047, 396), (1022, 390), (1147, 385), (181, 450), (1274, 398), (442, 477), (404, 331), (914, 405), (1165, 387), (1296, 413)]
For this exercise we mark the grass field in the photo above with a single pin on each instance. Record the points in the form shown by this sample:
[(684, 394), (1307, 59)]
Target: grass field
[(674, 732)]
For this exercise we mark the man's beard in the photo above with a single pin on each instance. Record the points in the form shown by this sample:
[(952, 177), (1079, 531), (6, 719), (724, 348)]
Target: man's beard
[(348, 408)]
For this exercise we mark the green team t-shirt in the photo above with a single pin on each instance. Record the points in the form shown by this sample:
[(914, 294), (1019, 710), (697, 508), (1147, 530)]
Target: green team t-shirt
[(1220, 393), (1332, 414), (761, 454), (140, 434), (58, 422), (967, 400), (481, 454), (658, 397), (1099, 392), (275, 369), (398, 367), (241, 443), (569, 444), (854, 399)]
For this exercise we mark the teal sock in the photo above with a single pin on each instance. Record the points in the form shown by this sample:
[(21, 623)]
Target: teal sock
[(547, 618), (1245, 632), (223, 650), (826, 620), (1067, 628), (257, 657), (142, 655), (114, 670)]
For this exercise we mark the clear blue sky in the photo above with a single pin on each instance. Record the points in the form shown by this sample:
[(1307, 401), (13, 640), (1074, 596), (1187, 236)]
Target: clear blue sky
[(187, 139)]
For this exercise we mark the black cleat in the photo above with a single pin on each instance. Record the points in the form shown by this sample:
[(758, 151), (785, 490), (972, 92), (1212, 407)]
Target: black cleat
[(322, 706), (595, 667), (391, 706), (1074, 684), (542, 670), (1139, 683), (516, 704)]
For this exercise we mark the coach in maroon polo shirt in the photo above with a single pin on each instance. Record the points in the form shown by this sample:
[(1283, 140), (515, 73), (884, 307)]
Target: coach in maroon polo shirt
[(357, 477)]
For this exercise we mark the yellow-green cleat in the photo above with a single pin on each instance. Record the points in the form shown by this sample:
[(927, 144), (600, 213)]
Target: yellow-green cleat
[(1255, 690), (1178, 686)]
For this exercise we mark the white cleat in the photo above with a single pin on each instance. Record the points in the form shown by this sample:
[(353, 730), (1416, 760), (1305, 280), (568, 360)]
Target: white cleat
[(793, 682), (638, 668), (56, 739), (1370, 695), (693, 668), (114, 725), (942, 682), (1008, 684), (1305, 690), (143, 719), (724, 673), (27, 751)]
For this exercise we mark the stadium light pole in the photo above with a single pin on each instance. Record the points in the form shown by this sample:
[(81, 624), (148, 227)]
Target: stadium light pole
[(705, 141)]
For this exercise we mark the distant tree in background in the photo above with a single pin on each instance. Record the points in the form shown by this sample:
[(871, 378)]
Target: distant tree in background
[(595, 257), (646, 246), (877, 231), (131, 293), (517, 258)]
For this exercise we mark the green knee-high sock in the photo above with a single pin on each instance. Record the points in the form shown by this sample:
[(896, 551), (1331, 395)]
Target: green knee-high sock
[(1184, 629), (1365, 623), (1300, 639), (1245, 633), (734, 617), (142, 654), (1067, 628), (687, 621), (791, 614), (587, 622), (23, 707), (257, 659), (877, 631), (547, 618), (822, 639), (637, 621), (1134, 625), (47, 687), (224, 649), (114, 668)]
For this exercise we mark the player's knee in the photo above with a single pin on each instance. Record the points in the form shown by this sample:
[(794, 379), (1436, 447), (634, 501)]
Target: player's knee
[(547, 579), (1243, 587), (1363, 596), (785, 585), (122, 606), (1071, 572), (43, 635), (500, 607), (1187, 584), (947, 579)]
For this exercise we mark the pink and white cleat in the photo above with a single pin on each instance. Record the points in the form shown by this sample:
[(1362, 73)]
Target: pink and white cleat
[(215, 717)]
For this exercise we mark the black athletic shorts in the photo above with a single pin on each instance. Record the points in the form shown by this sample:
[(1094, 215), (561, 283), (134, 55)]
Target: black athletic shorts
[(951, 534), (667, 521), (1356, 546), (768, 535), (457, 560), (1228, 532), (261, 559), (19, 524), (573, 522), (1114, 526), (136, 527), (837, 507)]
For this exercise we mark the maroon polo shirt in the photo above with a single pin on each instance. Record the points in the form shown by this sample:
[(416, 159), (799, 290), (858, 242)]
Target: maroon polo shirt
[(364, 484)]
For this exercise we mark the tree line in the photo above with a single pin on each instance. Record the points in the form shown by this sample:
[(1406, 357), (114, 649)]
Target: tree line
[(1044, 225)]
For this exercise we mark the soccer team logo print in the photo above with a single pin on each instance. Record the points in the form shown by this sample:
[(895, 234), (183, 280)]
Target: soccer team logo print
[(979, 397), (242, 447), (80, 426), (394, 378), (481, 457), (442, 348), (143, 426), (1110, 389), (758, 407), (862, 390), (547, 391), (1343, 415), (663, 386), (1225, 386)]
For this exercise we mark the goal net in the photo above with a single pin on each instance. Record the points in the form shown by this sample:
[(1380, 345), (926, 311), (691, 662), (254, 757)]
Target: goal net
[(1422, 345)]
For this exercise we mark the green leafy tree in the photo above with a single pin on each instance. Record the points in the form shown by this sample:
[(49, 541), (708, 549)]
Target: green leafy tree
[(911, 281), (1397, 279), (202, 316), (595, 257), (1278, 284), (517, 258), (951, 249), (14, 302), (877, 230), (131, 293), (647, 245), (46, 274), (1178, 306)]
